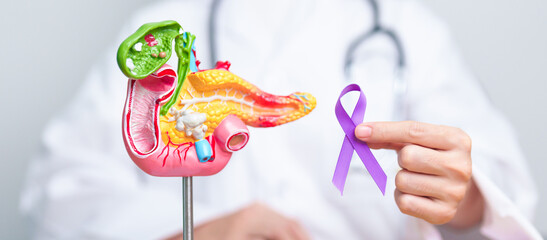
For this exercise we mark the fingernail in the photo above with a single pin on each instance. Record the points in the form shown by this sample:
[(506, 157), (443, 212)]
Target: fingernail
[(362, 131)]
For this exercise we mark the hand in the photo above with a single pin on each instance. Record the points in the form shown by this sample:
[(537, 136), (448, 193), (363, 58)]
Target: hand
[(435, 181), (256, 222)]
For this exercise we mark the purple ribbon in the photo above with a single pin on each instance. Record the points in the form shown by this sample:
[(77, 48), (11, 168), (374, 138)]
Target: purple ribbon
[(351, 142)]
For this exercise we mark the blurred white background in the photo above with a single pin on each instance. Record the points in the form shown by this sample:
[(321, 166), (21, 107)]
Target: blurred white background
[(47, 46)]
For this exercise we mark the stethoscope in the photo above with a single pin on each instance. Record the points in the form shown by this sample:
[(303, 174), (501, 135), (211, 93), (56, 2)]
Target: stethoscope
[(399, 84)]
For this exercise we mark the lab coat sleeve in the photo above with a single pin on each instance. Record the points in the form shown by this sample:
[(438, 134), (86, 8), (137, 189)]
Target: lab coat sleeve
[(83, 185), (441, 90)]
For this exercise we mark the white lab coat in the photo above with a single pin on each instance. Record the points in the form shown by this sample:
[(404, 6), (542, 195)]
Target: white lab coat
[(84, 186)]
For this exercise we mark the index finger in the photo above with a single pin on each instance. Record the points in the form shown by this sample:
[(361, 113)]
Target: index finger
[(424, 134)]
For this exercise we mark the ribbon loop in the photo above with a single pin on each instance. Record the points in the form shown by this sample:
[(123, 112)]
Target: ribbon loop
[(352, 143)]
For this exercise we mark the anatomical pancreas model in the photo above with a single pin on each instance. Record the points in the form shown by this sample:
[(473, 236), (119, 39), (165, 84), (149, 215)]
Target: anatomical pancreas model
[(187, 122)]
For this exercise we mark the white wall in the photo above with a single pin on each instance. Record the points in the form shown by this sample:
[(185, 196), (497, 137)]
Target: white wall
[(504, 41), (47, 46)]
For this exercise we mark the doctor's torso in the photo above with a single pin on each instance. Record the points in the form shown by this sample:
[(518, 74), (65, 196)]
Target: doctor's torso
[(283, 47)]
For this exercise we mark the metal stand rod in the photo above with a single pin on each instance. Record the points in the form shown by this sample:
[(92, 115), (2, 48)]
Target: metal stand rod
[(187, 209)]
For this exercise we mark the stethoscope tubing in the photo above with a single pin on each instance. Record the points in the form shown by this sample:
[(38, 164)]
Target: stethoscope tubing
[(377, 29), (399, 86)]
